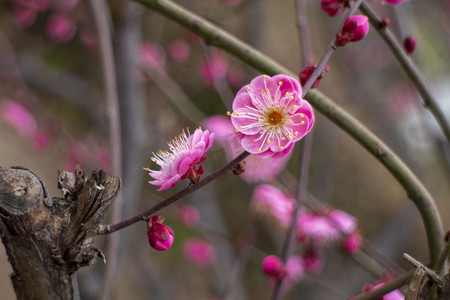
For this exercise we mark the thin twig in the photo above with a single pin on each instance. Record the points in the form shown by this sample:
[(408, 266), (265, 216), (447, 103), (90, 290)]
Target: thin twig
[(101, 15), (303, 32), (409, 67), (106, 229)]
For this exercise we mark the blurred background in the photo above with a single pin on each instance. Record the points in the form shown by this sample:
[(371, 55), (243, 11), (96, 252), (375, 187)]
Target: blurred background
[(54, 116)]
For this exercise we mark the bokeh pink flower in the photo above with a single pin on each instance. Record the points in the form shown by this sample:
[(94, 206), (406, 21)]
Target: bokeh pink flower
[(180, 161), (179, 50), (199, 251), (18, 117), (189, 215), (151, 56), (214, 68), (160, 236), (316, 228), (60, 27), (269, 115), (272, 202)]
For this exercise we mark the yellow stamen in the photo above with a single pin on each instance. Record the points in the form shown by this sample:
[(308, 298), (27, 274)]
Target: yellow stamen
[(228, 113), (302, 122), (302, 115)]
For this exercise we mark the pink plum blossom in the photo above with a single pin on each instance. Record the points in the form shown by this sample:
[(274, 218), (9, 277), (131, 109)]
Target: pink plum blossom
[(273, 266), (307, 72), (333, 7), (352, 242), (269, 115), (19, 117), (317, 228), (179, 50), (257, 169), (213, 68), (189, 215), (199, 251), (160, 236), (151, 56), (272, 201), (344, 222), (179, 162), (60, 27), (355, 28)]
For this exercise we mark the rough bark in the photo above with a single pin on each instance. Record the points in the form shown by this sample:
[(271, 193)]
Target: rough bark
[(47, 239)]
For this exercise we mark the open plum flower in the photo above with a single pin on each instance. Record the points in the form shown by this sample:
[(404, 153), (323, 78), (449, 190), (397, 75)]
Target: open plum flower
[(269, 115), (179, 162)]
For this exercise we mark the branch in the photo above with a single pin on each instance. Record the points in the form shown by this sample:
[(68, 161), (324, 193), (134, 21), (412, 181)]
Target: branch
[(222, 39), (410, 69), (106, 229)]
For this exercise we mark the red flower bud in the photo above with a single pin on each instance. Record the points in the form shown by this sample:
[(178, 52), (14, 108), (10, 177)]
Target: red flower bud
[(160, 236), (355, 29), (306, 73), (273, 266), (409, 43), (333, 7)]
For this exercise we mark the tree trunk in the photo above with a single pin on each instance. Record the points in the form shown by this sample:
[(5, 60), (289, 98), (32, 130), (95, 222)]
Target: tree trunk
[(48, 239)]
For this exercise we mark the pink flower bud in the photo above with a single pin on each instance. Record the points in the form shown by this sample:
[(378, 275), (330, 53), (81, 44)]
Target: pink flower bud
[(352, 242), (306, 73), (355, 29), (273, 266), (385, 22), (409, 43), (333, 7), (160, 236)]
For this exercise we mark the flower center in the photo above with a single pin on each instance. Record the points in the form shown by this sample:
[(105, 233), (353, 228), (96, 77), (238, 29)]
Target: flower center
[(274, 118)]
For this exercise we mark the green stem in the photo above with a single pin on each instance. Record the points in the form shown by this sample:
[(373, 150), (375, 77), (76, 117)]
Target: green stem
[(409, 67), (416, 191)]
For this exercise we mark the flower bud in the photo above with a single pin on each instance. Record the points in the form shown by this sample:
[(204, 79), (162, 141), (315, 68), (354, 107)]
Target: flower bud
[(273, 266), (385, 23), (160, 236), (355, 29), (333, 7), (306, 73), (352, 242), (409, 44)]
